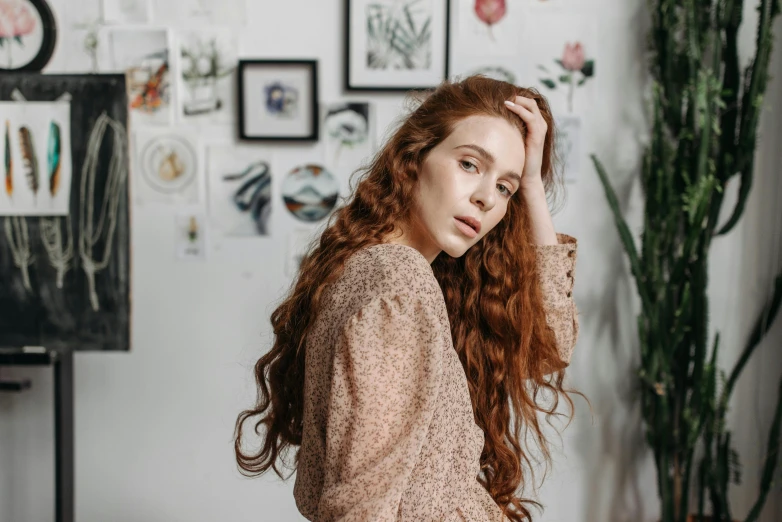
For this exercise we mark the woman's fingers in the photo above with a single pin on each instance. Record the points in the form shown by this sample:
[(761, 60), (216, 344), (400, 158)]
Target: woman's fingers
[(528, 110), (529, 103), (520, 109)]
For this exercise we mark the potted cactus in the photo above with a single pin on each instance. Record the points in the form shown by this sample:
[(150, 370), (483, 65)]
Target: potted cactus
[(704, 119)]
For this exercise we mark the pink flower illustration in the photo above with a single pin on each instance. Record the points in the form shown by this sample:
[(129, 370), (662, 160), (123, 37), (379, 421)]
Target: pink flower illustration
[(573, 58), (16, 21), (577, 71), (490, 11)]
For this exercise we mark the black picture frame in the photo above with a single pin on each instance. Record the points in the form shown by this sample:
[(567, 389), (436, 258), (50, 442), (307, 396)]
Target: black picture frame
[(353, 86), (245, 68), (46, 50)]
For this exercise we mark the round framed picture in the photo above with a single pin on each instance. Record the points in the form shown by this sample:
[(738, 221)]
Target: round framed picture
[(27, 35), (310, 192)]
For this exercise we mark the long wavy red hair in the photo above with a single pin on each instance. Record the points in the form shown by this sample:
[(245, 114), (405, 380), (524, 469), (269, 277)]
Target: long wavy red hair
[(496, 312)]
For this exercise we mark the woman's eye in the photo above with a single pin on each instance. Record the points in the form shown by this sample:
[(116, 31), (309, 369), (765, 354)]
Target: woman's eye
[(505, 191), (467, 165)]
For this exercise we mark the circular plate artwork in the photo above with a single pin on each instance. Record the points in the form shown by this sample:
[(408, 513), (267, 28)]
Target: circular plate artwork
[(310, 192), (27, 35), (168, 163)]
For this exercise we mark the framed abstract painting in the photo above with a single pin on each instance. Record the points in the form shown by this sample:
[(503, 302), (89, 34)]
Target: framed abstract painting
[(278, 100), (396, 45)]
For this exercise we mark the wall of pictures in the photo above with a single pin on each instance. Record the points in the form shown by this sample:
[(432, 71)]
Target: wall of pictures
[(213, 116)]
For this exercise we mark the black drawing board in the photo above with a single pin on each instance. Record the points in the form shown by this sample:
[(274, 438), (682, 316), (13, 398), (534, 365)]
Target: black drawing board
[(76, 315)]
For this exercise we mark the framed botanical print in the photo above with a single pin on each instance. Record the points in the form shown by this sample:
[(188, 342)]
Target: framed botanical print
[(395, 45), (278, 100)]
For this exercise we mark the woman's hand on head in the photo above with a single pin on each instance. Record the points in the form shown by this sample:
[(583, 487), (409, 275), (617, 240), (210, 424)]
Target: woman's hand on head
[(528, 110)]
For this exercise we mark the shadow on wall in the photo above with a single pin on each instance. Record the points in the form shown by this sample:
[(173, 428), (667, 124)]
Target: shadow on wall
[(619, 485)]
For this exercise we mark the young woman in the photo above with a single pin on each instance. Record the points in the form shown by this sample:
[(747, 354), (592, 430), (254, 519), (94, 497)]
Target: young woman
[(436, 311)]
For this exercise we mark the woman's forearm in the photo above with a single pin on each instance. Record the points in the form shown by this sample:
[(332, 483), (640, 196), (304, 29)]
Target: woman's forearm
[(534, 197)]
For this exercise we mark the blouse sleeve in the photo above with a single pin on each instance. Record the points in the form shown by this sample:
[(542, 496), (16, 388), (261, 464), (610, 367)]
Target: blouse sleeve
[(385, 380), (556, 269)]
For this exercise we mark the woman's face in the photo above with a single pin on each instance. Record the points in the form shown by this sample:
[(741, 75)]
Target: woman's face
[(471, 175)]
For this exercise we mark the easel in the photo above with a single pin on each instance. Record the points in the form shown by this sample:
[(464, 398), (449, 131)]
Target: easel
[(61, 359)]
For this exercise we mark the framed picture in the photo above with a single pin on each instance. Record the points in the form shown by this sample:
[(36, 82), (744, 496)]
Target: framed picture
[(278, 100), (396, 45)]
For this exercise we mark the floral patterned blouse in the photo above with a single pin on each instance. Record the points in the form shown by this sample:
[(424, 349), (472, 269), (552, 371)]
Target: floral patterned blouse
[(389, 432)]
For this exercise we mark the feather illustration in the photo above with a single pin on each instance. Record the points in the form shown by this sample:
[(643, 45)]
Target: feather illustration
[(9, 164), (29, 163), (54, 157)]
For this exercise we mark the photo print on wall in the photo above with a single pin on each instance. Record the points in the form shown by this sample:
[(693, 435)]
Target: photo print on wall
[(143, 54), (278, 100), (565, 46), (396, 45), (240, 190), (79, 41), (191, 241), (167, 167), (207, 63), (486, 38), (310, 192), (36, 158), (348, 136)]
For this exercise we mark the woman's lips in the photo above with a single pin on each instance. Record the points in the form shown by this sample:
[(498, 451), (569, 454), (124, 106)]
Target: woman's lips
[(466, 229)]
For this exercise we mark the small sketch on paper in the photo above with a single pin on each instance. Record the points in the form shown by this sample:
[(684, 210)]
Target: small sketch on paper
[(143, 55), (208, 61), (169, 167), (148, 85), (190, 236), (240, 190), (488, 29), (347, 126), (576, 71), (86, 34), (490, 12), (252, 194), (36, 158)]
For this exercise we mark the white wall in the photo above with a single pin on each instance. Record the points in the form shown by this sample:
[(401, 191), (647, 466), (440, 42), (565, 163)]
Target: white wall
[(154, 426)]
